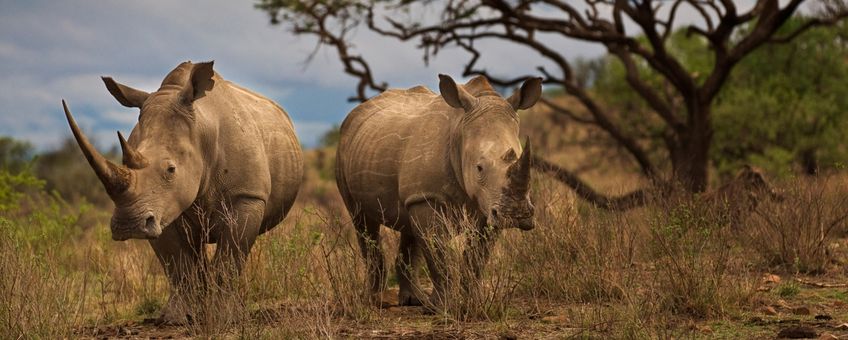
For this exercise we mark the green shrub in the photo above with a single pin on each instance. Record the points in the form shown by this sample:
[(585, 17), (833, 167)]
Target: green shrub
[(788, 289), (14, 186)]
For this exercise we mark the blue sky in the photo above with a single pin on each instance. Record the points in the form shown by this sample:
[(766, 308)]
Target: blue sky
[(51, 50)]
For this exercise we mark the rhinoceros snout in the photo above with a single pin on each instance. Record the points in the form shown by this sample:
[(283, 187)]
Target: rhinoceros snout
[(496, 217), (145, 227)]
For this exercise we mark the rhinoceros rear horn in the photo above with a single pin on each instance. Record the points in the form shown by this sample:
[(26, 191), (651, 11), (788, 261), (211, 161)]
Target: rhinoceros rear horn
[(115, 178), (131, 158), (519, 172)]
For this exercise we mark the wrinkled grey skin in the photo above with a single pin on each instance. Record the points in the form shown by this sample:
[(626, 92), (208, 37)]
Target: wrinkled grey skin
[(406, 156), (204, 150)]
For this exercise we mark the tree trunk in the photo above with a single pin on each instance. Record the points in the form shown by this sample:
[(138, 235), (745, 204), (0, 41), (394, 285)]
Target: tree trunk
[(691, 159), (810, 162)]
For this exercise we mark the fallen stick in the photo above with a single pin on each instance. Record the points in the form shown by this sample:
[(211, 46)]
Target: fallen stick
[(821, 285)]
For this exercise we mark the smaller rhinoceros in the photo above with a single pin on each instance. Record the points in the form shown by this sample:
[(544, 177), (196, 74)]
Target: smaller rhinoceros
[(407, 156), (208, 162), (739, 197)]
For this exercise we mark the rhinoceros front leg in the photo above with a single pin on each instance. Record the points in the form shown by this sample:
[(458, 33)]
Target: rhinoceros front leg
[(429, 231), (478, 249), (238, 230), (180, 251)]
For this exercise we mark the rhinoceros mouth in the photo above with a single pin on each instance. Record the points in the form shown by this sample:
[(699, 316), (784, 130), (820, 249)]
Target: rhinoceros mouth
[(147, 227), (503, 217), (526, 224), (523, 224)]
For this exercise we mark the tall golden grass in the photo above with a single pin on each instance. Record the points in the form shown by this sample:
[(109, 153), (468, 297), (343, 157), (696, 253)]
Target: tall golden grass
[(620, 274)]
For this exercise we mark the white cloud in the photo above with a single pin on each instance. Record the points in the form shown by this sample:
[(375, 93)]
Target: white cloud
[(58, 49)]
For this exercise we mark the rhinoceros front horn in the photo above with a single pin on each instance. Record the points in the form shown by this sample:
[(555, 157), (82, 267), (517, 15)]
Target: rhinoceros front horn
[(115, 178), (519, 172)]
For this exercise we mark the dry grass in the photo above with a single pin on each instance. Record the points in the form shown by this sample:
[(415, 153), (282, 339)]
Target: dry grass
[(39, 302), (796, 235), (465, 298), (650, 272)]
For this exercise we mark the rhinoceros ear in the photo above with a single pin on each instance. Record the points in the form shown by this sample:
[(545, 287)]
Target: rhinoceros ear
[(454, 95), (125, 95), (199, 82), (527, 96)]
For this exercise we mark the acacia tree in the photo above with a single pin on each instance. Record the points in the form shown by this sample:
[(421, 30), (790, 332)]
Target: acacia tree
[(634, 32), (789, 99)]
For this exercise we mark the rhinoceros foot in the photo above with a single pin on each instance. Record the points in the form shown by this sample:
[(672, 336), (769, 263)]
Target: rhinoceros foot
[(175, 313), (408, 299)]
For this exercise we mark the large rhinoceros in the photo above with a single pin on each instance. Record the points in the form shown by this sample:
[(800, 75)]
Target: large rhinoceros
[(407, 156), (208, 162)]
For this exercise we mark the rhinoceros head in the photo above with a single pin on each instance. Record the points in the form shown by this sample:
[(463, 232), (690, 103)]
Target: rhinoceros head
[(754, 183), (162, 166), (495, 169)]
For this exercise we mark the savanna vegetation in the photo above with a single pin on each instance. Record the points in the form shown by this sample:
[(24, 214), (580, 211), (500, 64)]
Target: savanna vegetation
[(682, 264), (677, 267)]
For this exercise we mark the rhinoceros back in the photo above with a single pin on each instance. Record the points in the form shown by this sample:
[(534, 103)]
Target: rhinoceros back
[(258, 152), (381, 140)]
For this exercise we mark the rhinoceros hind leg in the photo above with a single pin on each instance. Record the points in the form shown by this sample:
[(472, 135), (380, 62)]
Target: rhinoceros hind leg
[(368, 235), (408, 260)]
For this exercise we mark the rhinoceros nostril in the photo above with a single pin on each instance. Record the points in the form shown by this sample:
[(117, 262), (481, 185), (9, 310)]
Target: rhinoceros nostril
[(494, 213), (150, 223)]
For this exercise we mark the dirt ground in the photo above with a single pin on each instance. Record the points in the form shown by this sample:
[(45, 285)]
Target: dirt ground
[(818, 309)]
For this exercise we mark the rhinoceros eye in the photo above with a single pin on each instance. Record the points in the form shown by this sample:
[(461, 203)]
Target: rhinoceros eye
[(170, 170), (479, 168)]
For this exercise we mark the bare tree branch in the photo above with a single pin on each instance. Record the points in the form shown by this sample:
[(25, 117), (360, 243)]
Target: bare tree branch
[(810, 23), (585, 192), (354, 65), (568, 113)]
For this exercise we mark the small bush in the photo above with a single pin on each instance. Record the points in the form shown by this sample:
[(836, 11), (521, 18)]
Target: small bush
[(565, 259), (148, 307), (690, 248), (796, 234)]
